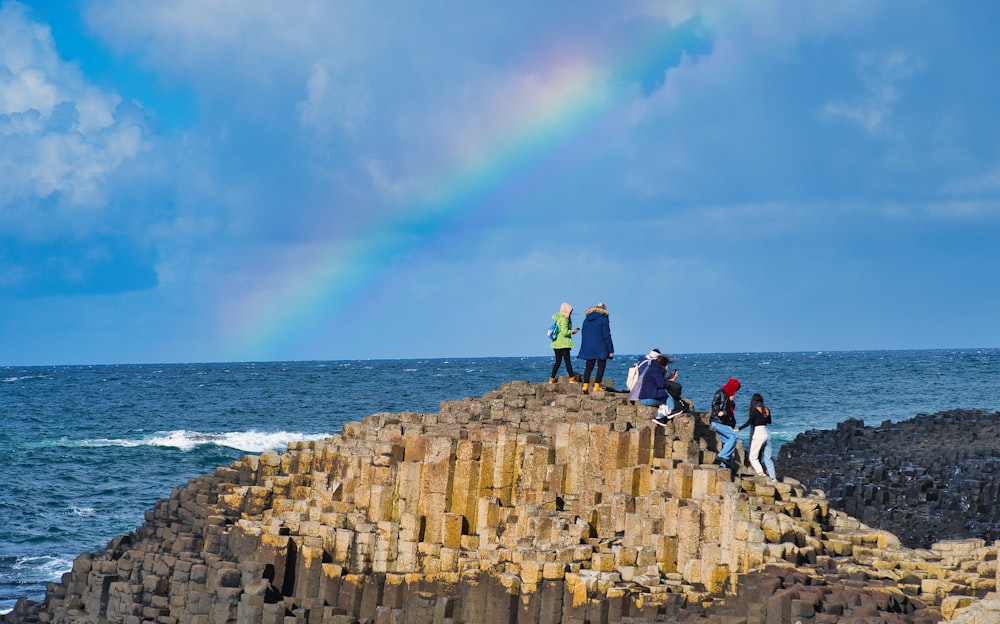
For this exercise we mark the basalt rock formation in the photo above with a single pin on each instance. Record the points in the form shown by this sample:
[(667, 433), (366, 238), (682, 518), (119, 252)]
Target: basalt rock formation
[(925, 479), (535, 503)]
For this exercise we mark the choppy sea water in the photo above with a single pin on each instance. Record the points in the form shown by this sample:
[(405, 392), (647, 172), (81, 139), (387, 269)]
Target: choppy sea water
[(88, 449)]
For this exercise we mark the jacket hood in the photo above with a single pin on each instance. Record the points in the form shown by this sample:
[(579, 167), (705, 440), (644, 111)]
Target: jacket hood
[(597, 310), (731, 386), (565, 309)]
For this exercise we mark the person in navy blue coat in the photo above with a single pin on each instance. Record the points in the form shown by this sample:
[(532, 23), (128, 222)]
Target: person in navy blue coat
[(658, 388), (595, 345)]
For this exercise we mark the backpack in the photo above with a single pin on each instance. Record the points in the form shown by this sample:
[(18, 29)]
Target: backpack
[(553, 332), (633, 375)]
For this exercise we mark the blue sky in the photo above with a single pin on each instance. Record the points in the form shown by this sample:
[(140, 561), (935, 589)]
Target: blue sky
[(188, 181)]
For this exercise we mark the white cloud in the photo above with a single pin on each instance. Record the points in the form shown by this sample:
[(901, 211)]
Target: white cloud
[(420, 81), (225, 42), (883, 76), (984, 183), (26, 88), (980, 212), (62, 137), (331, 105)]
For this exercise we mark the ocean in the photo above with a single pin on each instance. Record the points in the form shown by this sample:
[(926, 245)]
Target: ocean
[(88, 449)]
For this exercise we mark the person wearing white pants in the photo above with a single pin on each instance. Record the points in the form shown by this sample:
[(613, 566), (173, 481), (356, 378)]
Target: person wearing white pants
[(760, 439)]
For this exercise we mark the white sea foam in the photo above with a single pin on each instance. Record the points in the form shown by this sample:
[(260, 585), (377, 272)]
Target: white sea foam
[(251, 441), (84, 511), (48, 568)]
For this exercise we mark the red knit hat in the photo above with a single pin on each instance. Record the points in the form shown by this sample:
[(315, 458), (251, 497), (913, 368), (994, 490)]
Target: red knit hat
[(731, 386)]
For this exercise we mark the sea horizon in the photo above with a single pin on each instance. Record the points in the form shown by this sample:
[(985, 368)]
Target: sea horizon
[(493, 357)]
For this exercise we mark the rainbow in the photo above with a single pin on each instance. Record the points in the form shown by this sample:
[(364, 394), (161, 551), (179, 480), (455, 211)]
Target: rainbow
[(570, 100)]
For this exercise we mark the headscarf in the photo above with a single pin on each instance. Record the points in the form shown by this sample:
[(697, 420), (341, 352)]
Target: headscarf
[(731, 386)]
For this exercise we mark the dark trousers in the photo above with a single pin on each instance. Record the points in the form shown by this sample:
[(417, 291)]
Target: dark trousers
[(674, 390), (590, 366), (562, 354)]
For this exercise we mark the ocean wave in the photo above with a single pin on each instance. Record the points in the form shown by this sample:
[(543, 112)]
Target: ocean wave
[(21, 378), (20, 574), (39, 568), (251, 441)]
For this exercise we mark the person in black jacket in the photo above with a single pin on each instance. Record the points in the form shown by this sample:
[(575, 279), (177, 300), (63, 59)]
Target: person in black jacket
[(723, 420), (760, 440)]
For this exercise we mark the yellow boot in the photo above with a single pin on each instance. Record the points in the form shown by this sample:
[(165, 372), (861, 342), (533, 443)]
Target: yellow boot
[(598, 388), (552, 379), (585, 387)]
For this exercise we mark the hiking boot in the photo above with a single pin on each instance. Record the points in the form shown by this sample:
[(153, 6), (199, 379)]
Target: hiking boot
[(552, 379), (598, 388), (585, 387), (572, 379)]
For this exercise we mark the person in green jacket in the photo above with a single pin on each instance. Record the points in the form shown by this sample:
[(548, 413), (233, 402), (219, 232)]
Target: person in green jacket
[(563, 343)]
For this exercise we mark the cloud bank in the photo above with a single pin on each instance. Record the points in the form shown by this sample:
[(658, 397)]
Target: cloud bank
[(250, 180)]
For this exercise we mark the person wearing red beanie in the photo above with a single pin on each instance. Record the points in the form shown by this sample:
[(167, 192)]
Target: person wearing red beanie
[(723, 420)]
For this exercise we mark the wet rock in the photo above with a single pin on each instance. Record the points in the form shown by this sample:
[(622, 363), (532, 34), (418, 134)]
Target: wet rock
[(926, 479)]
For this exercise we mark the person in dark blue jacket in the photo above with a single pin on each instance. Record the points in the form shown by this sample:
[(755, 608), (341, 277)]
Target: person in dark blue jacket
[(658, 388), (595, 345)]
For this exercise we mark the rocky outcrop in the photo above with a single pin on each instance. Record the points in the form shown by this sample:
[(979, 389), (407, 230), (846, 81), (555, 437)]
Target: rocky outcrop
[(536, 503), (925, 479)]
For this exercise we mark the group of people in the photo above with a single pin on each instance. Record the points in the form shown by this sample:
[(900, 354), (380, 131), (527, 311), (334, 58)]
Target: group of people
[(723, 422), (596, 347), (657, 387)]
